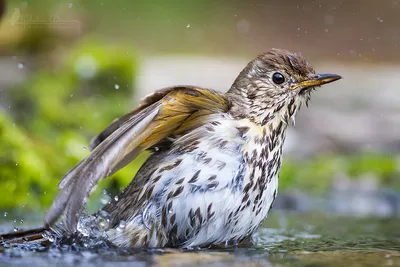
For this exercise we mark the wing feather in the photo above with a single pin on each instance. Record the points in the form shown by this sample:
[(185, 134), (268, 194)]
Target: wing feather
[(167, 112)]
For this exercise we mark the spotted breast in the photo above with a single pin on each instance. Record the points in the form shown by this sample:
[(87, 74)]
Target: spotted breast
[(214, 186)]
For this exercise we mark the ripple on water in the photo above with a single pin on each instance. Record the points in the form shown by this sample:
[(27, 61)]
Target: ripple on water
[(285, 240)]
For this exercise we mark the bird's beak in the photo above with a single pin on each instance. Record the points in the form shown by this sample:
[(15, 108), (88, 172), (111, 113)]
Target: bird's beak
[(317, 80)]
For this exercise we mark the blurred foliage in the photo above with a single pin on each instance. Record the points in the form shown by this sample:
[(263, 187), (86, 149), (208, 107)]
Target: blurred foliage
[(316, 174), (27, 167), (57, 110)]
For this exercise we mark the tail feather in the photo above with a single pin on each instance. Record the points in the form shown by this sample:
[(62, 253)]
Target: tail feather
[(36, 235)]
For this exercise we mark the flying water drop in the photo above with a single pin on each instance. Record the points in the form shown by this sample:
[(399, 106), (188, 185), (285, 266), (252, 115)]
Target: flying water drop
[(105, 198)]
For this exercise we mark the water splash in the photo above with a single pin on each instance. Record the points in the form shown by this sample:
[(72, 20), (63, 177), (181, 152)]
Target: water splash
[(121, 226), (47, 235), (103, 220)]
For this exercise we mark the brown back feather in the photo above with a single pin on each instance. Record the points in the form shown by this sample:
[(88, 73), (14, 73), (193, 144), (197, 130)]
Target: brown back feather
[(167, 112)]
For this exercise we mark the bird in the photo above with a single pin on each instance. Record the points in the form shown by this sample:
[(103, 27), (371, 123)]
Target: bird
[(212, 175)]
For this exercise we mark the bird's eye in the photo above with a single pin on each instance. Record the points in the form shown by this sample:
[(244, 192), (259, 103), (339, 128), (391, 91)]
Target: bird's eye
[(278, 78)]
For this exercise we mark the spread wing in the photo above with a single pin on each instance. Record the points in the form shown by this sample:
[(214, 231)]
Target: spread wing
[(167, 112)]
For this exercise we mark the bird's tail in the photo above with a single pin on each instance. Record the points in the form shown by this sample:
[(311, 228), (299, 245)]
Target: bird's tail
[(36, 235)]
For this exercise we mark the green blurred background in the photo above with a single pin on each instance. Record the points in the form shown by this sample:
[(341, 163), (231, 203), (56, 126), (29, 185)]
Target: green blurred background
[(68, 68)]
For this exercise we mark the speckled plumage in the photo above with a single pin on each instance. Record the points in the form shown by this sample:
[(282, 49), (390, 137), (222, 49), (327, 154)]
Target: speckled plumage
[(213, 173)]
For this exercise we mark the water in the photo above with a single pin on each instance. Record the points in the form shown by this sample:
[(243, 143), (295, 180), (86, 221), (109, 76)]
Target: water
[(285, 239)]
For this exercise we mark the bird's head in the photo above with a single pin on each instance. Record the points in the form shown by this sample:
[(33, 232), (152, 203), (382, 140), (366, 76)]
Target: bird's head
[(275, 83)]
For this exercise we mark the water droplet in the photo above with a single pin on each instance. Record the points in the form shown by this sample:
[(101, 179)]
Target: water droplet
[(121, 226), (15, 229), (45, 193), (116, 86), (20, 65), (5, 214), (326, 30), (48, 236), (105, 197), (84, 148), (70, 5), (103, 220), (21, 221), (156, 148), (379, 19), (72, 95), (188, 26), (116, 198), (16, 163)]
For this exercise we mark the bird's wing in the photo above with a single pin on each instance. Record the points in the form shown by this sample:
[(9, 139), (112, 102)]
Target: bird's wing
[(168, 112), (144, 103)]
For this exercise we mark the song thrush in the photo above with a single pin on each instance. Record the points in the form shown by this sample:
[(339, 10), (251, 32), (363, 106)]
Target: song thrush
[(213, 173)]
